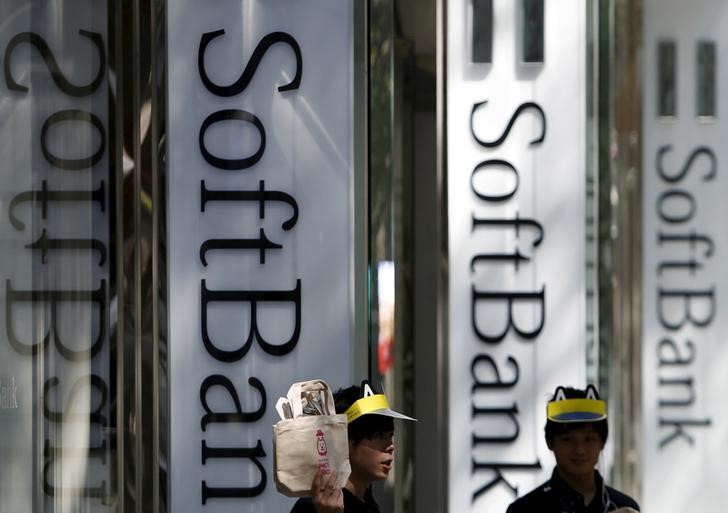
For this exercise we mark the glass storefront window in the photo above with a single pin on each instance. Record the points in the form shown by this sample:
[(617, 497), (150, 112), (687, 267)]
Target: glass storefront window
[(57, 386)]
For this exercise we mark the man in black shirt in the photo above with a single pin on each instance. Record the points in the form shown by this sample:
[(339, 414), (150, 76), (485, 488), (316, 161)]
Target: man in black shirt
[(576, 431), (371, 454)]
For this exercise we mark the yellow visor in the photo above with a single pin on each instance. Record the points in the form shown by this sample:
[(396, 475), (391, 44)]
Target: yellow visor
[(576, 410), (376, 404)]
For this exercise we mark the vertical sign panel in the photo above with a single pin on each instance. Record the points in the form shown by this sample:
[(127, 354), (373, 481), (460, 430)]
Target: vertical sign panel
[(56, 390), (684, 254), (260, 215), (516, 186)]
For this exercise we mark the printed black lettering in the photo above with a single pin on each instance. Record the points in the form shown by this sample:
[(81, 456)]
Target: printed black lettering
[(261, 196), (262, 243), (697, 152), (241, 83), (483, 167), (521, 109), (510, 299), (238, 415), (688, 300), (253, 297), (496, 381), (253, 454), (509, 413), (498, 467), (229, 115), (674, 200)]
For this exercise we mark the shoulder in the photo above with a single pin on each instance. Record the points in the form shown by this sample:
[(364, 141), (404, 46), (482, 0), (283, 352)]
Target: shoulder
[(621, 499), (537, 499), (303, 505)]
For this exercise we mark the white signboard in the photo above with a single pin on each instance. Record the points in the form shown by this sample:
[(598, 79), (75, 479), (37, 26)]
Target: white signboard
[(57, 442), (260, 244), (516, 195), (684, 212)]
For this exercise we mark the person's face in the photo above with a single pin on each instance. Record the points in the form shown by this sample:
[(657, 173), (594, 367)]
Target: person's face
[(577, 451), (371, 459)]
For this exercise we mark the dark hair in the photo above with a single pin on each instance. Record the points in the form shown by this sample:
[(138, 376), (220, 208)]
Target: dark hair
[(366, 425), (556, 428)]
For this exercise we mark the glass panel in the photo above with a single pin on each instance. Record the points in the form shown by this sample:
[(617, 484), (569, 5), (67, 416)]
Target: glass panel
[(667, 77), (706, 73), (390, 267), (56, 360), (381, 179)]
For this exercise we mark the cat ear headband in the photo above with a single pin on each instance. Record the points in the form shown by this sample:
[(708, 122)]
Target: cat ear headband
[(589, 409), (371, 404)]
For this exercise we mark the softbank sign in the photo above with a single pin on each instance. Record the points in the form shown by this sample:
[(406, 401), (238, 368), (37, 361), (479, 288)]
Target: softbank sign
[(684, 255), (516, 186), (260, 214)]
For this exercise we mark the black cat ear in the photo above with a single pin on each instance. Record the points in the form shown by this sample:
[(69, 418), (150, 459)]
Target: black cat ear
[(560, 394), (591, 392), (366, 389)]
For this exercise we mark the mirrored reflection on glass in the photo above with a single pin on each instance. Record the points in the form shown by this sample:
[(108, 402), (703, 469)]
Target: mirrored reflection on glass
[(57, 391)]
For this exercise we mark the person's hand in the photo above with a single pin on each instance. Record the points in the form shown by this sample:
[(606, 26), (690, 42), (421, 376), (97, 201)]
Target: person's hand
[(327, 498)]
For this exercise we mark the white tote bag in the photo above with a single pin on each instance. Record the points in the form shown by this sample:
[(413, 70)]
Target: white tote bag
[(310, 436)]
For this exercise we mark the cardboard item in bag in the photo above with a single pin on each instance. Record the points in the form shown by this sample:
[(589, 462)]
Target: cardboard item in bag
[(310, 436)]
